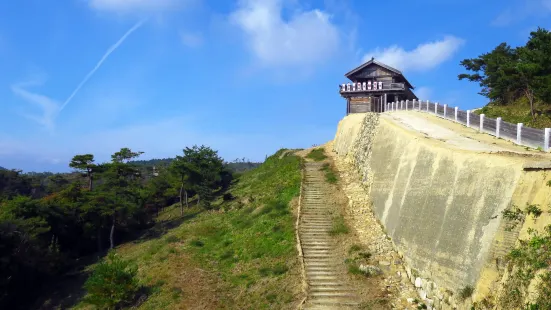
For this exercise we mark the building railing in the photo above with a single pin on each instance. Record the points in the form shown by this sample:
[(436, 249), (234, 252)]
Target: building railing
[(526, 136), (368, 86)]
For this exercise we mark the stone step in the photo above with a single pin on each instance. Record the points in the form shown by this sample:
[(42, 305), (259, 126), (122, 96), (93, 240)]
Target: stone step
[(313, 228), (332, 294), (320, 263), (330, 288), (323, 227), (327, 268), (320, 253), (317, 248), (316, 245), (326, 265), (314, 273), (326, 242), (322, 283), (334, 301)]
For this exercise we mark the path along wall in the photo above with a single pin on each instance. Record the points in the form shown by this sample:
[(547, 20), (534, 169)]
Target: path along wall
[(440, 204)]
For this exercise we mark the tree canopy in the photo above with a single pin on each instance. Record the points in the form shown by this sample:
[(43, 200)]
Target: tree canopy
[(48, 221), (506, 74)]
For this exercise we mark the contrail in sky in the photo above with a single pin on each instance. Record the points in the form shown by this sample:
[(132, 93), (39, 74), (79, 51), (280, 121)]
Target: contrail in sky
[(105, 56)]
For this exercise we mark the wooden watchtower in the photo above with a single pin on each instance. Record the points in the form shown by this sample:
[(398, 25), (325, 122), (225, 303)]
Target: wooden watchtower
[(372, 85)]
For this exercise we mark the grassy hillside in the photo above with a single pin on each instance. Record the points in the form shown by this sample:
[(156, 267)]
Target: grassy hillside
[(242, 256), (519, 112)]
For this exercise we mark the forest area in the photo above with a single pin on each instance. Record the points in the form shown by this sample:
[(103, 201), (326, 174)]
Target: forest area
[(516, 81), (49, 222)]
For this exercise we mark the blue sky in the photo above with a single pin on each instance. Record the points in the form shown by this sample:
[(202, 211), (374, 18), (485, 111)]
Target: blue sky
[(244, 77)]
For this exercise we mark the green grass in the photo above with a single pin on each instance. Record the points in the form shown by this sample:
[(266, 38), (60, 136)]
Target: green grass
[(519, 112), (354, 269), (339, 226), (330, 175), (249, 250), (317, 154), (354, 248), (466, 292)]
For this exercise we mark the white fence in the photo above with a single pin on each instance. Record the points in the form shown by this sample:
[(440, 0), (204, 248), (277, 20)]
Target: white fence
[(531, 137)]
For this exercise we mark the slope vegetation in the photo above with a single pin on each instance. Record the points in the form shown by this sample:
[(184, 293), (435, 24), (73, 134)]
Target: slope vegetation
[(241, 255)]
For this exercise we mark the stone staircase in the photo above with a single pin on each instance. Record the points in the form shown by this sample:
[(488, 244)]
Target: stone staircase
[(325, 273)]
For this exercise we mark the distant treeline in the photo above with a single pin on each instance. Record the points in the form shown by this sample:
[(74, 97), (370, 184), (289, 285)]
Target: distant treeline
[(238, 165)]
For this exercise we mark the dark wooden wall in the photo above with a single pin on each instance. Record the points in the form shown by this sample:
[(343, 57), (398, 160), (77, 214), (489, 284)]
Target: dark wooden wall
[(360, 107)]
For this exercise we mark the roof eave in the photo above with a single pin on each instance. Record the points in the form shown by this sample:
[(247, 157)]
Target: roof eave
[(373, 61)]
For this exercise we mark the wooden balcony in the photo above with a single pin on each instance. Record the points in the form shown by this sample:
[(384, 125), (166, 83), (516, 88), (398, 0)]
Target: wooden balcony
[(363, 88)]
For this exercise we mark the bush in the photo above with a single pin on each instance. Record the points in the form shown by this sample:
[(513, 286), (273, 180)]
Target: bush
[(339, 227), (466, 292), (317, 154), (113, 283), (228, 197)]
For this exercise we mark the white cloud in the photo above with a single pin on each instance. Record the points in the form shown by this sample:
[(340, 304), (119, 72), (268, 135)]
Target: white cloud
[(129, 6), (424, 57), (305, 38), (49, 107), (522, 10), (191, 39), (423, 93)]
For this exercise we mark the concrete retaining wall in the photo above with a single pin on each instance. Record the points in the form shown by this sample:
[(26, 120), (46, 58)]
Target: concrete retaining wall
[(440, 204)]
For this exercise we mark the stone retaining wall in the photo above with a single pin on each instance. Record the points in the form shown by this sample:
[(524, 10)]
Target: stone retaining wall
[(440, 205)]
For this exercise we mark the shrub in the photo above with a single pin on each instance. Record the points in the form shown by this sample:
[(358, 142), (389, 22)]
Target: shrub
[(317, 154), (228, 197), (113, 283), (466, 292), (339, 227), (330, 175), (354, 248), (354, 269)]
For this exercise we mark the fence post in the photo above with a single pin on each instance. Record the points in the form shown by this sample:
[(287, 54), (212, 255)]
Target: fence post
[(481, 122), (445, 110), (407, 102), (519, 133), (401, 104), (498, 126), (420, 101), (468, 118), (436, 108), (546, 139), (456, 114), (413, 104), (427, 106)]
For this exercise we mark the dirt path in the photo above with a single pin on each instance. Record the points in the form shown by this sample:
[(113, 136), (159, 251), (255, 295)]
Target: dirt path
[(328, 287)]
